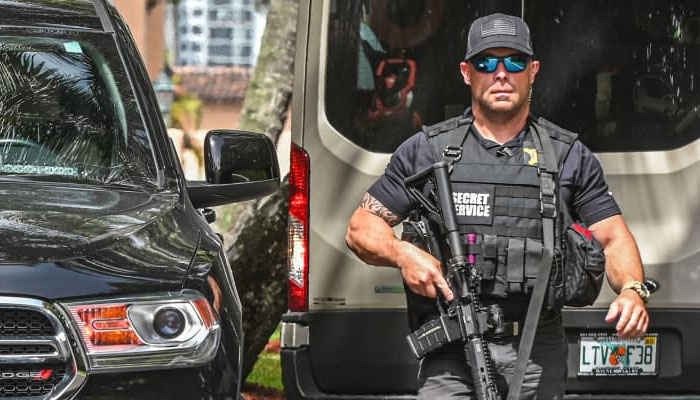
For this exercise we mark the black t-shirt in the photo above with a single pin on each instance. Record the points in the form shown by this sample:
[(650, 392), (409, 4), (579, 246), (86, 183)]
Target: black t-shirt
[(581, 181)]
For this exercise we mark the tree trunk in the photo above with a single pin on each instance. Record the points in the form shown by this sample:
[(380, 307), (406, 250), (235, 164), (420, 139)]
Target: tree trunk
[(270, 90), (258, 250), (258, 257)]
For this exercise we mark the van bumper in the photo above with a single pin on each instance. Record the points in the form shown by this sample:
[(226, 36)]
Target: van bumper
[(299, 382), (333, 359)]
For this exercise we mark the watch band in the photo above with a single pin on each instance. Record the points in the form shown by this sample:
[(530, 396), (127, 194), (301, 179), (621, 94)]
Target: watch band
[(638, 287)]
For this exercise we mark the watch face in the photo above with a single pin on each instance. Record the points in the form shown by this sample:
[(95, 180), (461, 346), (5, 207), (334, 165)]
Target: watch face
[(642, 290), (646, 291)]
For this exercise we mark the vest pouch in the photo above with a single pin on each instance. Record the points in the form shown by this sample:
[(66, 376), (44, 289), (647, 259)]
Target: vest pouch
[(555, 289), (584, 267)]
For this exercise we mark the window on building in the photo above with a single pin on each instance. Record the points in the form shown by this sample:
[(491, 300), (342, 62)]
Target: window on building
[(196, 47), (245, 51), (624, 75), (221, 2), (248, 33), (220, 50), (183, 30), (198, 12), (221, 33), (197, 30)]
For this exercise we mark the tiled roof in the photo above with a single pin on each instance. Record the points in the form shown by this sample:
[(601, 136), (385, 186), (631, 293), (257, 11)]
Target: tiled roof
[(214, 83)]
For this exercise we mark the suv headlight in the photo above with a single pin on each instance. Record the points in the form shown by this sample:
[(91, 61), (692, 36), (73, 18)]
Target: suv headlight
[(146, 332)]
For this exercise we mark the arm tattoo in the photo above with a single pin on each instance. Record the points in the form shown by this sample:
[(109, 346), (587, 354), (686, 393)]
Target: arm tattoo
[(377, 208)]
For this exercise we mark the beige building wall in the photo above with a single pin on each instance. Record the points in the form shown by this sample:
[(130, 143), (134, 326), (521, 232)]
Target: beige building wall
[(220, 115), (155, 40), (146, 26)]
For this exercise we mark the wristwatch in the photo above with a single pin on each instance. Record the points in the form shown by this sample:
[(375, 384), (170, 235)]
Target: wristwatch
[(638, 287)]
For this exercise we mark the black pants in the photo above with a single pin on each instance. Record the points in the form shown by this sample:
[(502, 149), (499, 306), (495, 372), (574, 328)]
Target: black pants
[(446, 375)]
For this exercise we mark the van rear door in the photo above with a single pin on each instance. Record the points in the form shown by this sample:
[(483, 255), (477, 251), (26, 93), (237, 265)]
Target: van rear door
[(624, 75)]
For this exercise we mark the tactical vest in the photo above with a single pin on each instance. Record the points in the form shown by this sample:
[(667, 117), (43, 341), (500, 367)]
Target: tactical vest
[(498, 198)]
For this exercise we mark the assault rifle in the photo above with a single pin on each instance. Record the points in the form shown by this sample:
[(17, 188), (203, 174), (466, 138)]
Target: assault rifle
[(464, 318)]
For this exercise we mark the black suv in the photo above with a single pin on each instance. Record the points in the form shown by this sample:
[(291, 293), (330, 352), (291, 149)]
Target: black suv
[(112, 284)]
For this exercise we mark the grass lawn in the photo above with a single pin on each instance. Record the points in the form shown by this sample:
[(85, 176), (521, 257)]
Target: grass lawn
[(267, 371)]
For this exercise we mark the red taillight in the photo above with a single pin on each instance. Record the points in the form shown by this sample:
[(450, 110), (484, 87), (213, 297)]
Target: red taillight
[(299, 230)]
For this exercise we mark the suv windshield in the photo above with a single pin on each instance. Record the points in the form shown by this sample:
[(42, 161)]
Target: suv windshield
[(68, 113)]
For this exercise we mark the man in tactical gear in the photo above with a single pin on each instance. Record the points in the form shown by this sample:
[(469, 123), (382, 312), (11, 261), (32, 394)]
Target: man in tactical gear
[(498, 197)]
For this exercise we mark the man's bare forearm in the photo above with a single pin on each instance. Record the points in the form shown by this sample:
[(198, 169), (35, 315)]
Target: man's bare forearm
[(622, 261), (370, 235), (622, 265)]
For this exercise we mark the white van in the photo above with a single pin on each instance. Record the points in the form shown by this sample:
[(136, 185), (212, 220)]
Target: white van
[(624, 74)]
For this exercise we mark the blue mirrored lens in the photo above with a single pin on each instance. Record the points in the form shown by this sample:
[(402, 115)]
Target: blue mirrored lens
[(514, 63), (485, 64)]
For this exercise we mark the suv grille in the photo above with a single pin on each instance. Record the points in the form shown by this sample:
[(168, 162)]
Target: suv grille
[(23, 322), (30, 380), (35, 360), (40, 349)]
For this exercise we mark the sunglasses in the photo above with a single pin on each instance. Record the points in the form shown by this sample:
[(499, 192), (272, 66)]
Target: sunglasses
[(488, 64)]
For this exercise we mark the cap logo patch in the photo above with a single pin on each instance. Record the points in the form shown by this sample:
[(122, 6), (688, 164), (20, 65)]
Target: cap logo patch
[(498, 26)]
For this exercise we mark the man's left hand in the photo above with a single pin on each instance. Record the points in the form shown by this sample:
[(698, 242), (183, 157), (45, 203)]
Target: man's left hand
[(631, 314)]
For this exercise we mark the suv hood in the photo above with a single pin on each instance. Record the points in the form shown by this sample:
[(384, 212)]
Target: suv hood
[(108, 239)]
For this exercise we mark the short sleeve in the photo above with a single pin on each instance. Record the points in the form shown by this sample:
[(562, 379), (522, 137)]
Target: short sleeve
[(584, 188), (410, 157)]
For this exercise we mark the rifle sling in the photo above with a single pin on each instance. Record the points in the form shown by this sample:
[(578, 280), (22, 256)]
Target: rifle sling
[(533, 312), (548, 172)]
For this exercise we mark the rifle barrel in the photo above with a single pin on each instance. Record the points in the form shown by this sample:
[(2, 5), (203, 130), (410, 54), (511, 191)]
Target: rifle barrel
[(447, 207)]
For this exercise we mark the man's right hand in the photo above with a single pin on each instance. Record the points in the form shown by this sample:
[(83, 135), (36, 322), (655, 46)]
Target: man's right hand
[(422, 271), (372, 239)]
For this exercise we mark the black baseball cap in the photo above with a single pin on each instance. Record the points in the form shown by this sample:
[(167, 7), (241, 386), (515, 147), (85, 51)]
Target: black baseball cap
[(498, 30)]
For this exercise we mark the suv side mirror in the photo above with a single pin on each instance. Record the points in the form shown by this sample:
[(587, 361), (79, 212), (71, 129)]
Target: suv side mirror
[(239, 166)]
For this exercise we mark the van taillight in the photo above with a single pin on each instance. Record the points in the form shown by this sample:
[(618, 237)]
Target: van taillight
[(299, 230)]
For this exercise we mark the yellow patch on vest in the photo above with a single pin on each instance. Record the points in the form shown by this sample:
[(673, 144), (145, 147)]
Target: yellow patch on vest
[(532, 155)]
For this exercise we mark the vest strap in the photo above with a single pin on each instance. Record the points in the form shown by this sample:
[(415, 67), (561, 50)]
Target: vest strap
[(524, 212), (548, 198), (517, 191), (533, 311), (533, 257), (548, 171), (507, 231), (448, 144)]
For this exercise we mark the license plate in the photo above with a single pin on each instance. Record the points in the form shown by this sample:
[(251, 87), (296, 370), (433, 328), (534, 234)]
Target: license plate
[(605, 354)]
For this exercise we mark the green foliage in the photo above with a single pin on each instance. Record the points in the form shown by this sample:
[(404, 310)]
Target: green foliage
[(186, 113)]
